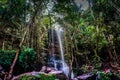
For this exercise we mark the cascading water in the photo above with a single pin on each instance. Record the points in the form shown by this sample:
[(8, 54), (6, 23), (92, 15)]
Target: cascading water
[(53, 50), (56, 48), (59, 33)]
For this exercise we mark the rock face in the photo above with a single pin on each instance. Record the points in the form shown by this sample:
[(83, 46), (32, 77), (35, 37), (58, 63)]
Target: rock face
[(88, 76), (46, 71), (61, 76), (58, 74), (53, 44)]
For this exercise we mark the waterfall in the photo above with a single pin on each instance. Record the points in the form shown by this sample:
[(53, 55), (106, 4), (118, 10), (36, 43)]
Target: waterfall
[(59, 33), (58, 62), (53, 50)]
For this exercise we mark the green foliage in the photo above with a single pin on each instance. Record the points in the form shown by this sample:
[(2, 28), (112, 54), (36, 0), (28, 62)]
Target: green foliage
[(85, 31), (104, 76), (39, 77), (28, 78), (11, 11), (46, 20), (105, 7), (7, 57), (26, 58), (44, 77)]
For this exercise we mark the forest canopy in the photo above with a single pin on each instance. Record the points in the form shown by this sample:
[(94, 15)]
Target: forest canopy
[(91, 33)]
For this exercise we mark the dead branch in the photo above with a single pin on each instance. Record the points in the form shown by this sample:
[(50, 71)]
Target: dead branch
[(34, 73), (28, 74)]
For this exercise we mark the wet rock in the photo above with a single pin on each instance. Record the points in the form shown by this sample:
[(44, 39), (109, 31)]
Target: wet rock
[(56, 72), (47, 69), (44, 68), (50, 70), (61, 76), (88, 76)]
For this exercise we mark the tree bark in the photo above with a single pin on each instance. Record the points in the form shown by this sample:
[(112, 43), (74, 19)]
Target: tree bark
[(20, 45), (27, 74), (16, 56), (3, 45)]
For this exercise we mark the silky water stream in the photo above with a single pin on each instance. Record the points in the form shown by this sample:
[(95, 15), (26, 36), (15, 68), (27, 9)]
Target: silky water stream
[(57, 35)]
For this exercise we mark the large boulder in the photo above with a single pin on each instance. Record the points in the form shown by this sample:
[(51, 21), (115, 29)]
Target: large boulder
[(88, 76)]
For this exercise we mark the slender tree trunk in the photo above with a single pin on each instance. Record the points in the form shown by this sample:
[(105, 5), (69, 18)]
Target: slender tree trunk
[(110, 39), (20, 46), (3, 44), (71, 63), (16, 56), (115, 54), (110, 54), (108, 49)]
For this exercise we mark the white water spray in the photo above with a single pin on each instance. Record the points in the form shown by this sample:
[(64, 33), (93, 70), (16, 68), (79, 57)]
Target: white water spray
[(65, 68)]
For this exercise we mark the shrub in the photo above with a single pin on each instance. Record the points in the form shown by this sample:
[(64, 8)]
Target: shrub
[(39, 77), (25, 60)]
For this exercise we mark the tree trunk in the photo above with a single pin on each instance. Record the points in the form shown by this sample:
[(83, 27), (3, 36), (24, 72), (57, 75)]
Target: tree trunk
[(3, 45), (110, 39), (20, 45), (16, 56), (110, 54)]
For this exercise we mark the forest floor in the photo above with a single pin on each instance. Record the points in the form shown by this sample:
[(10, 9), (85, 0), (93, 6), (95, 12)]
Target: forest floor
[(86, 72)]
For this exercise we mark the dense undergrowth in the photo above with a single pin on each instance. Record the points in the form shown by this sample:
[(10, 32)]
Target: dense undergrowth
[(100, 75), (24, 63), (39, 77)]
